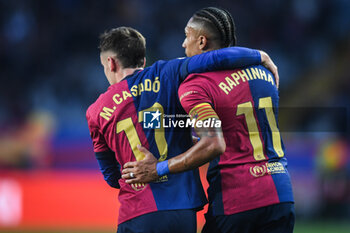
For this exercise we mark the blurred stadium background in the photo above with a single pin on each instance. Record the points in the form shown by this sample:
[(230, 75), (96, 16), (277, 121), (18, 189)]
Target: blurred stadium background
[(50, 73)]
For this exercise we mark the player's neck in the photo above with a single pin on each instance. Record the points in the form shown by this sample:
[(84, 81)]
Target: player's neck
[(125, 72), (211, 47)]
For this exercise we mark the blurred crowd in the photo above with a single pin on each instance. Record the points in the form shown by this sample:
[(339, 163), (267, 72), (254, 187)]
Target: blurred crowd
[(50, 60), (49, 57)]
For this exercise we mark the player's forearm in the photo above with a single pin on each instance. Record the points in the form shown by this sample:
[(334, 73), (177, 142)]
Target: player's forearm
[(236, 57), (211, 145), (109, 167), (226, 58), (204, 151)]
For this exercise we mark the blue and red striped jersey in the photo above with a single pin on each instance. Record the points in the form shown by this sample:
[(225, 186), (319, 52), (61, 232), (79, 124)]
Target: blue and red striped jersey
[(252, 172), (117, 122)]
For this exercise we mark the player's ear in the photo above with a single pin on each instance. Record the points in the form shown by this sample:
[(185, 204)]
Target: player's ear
[(112, 64), (203, 42), (144, 63)]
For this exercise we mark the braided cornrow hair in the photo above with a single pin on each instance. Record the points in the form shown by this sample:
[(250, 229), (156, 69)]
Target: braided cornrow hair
[(222, 21)]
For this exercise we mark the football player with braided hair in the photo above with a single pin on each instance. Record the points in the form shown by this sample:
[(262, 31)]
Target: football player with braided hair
[(217, 27), (117, 122), (249, 185)]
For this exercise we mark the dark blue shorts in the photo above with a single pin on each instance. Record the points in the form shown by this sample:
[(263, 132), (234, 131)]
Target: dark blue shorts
[(270, 219), (170, 221)]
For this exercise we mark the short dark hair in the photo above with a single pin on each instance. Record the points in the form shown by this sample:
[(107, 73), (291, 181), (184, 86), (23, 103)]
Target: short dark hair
[(127, 43), (218, 22)]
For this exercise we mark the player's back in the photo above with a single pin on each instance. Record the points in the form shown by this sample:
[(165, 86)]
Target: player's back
[(251, 173), (246, 101), (129, 114)]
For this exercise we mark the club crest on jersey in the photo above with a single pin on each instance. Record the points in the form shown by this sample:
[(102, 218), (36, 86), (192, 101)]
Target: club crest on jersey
[(194, 115), (138, 186), (151, 119), (258, 171)]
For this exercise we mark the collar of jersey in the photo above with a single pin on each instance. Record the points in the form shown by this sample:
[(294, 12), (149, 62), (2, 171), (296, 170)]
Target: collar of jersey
[(130, 75)]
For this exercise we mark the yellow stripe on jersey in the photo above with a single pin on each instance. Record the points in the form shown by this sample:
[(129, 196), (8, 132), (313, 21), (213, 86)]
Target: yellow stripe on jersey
[(203, 111)]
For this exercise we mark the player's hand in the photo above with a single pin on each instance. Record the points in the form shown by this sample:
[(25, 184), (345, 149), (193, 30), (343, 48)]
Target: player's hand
[(195, 140), (268, 63), (144, 171)]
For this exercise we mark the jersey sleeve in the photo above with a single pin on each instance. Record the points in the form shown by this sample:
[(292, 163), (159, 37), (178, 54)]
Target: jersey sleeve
[(195, 99), (109, 167), (97, 137), (222, 59)]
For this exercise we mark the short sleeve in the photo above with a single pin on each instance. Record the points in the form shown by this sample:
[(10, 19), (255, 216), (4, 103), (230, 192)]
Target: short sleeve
[(98, 140)]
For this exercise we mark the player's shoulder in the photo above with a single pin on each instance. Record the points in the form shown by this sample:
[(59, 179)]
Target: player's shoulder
[(173, 65), (195, 81), (195, 76), (91, 110), (200, 78), (262, 68), (259, 67), (94, 108)]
